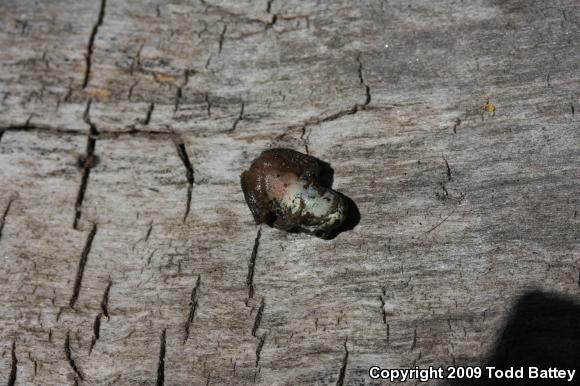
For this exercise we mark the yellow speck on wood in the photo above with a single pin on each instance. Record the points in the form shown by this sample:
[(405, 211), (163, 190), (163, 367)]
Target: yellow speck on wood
[(489, 107)]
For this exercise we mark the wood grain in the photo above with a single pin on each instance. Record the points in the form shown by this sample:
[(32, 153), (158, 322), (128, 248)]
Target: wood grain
[(125, 242)]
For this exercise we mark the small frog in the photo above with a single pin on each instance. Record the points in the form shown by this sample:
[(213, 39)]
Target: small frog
[(283, 190)]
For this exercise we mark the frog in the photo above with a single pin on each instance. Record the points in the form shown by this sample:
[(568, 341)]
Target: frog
[(283, 189)]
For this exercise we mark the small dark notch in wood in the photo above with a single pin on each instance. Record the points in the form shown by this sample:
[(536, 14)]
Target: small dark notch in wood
[(35, 363), (258, 318), (131, 88), (252, 265), (4, 215), (149, 113), (456, 125), (208, 104), (238, 119), (189, 174), (136, 62), (91, 44), (192, 308), (222, 39), (105, 300), (148, 234), (179, 92), (274, 19), (178, 96), (1, 134), (447, 169), (342, 374), (414, 343), (96, 331), (161, 364), (59, 313), (13, 366), (69, 357), (81, 267)]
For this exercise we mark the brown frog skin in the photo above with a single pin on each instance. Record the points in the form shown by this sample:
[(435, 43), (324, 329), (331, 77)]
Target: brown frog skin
[(282, 190)]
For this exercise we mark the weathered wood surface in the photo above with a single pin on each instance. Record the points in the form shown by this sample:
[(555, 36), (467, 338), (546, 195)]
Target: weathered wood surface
[(163, 278)]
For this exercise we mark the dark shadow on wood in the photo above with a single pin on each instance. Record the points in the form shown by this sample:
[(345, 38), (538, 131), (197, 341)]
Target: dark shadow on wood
[(543, 331)]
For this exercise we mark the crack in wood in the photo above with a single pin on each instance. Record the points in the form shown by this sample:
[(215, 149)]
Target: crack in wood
[(189, 174), (149, 113), (136, 62), (34, 363), (179, 92), (41, 128), (208, 104), (161, 363), (274, 18), (148, 234), (4, 216), (86, 164), (131, 88), (69, 357), (383, 312), (258, 318), (252, 265), (91, 44), (447, 169), (342, 113), (105, 300), (96, 331), (192, 307), (81, 267), (442, 221), (342, 373), (363, 82), (13, 366), (222, 38), (238, 119), (259, 348), (414, 343), (456, 125)]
